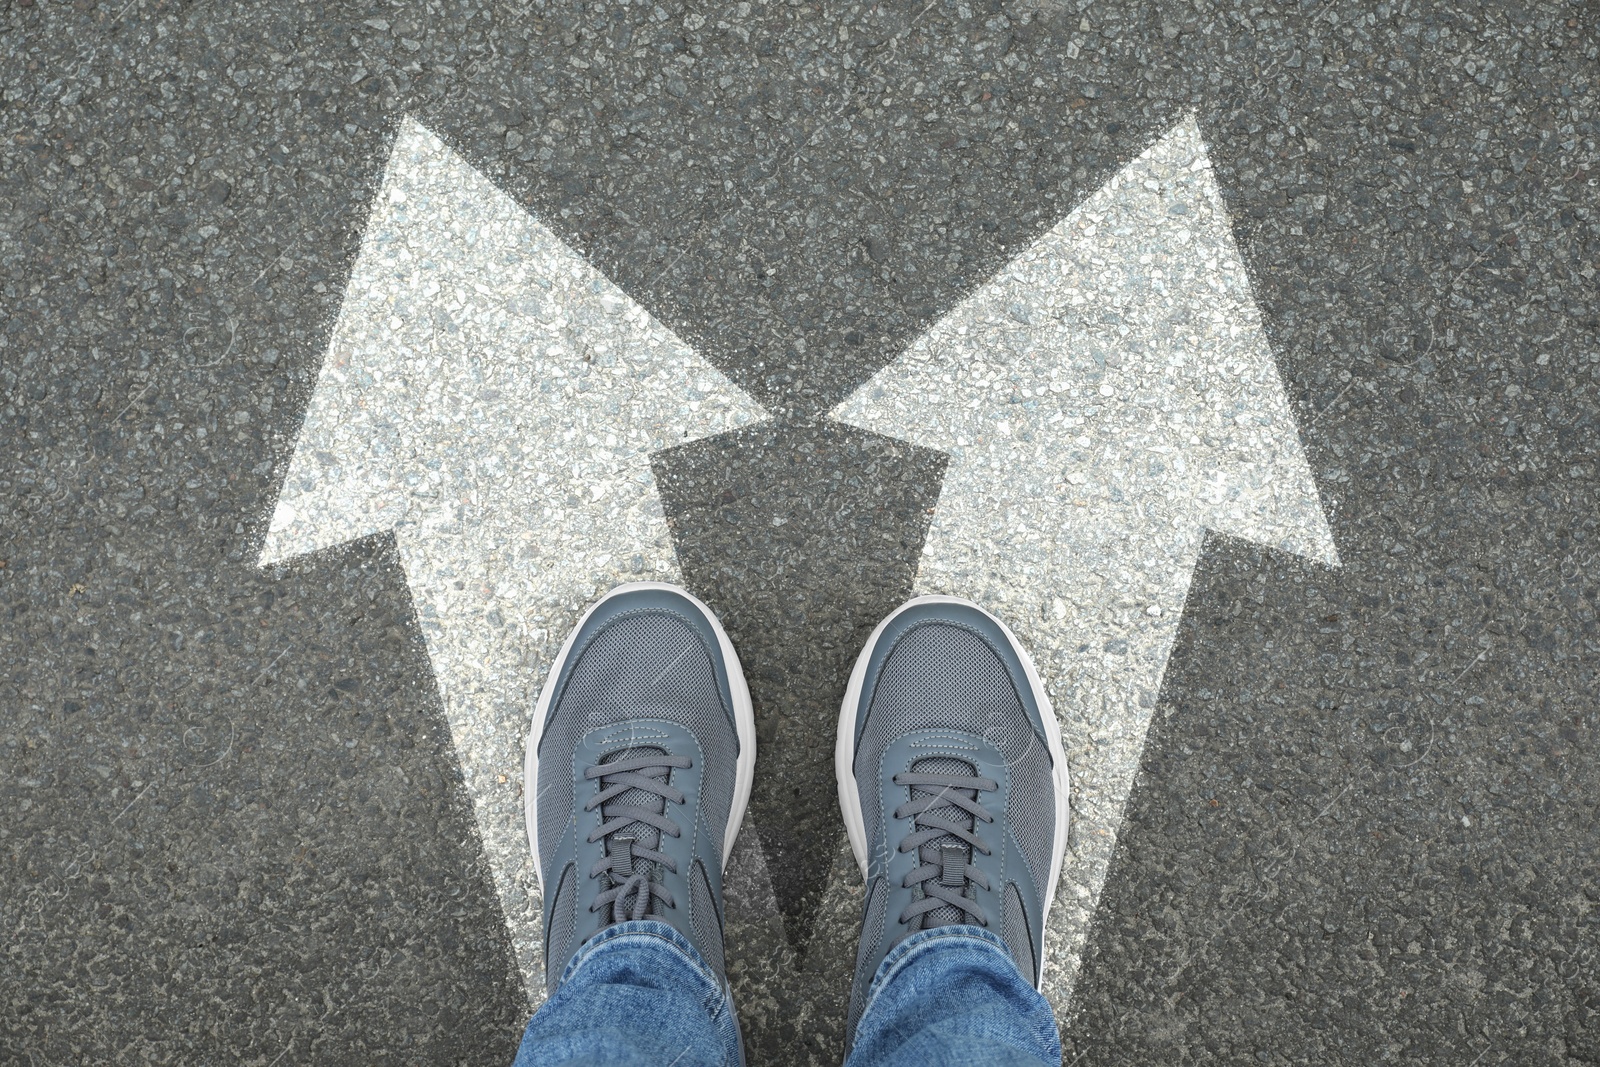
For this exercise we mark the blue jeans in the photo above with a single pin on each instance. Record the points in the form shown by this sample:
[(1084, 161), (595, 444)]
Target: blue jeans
[(638, 993)]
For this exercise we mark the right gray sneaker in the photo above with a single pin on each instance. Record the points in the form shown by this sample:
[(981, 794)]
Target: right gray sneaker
[(953, 784)]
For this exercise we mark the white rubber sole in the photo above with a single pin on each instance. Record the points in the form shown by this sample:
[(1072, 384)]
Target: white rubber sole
[(744, 721), (844, 751)]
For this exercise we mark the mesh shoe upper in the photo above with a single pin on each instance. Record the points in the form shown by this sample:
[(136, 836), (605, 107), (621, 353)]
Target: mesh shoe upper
[(636, 775), (954, 773)]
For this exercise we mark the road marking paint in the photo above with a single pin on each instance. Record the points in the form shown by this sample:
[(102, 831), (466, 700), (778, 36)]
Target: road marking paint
[(493, 400), (1105, 400)]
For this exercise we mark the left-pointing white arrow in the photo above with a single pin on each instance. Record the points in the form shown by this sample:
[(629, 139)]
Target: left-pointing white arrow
[(493, 400)]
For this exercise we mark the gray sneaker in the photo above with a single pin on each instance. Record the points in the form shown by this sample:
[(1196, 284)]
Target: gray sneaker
[(638, 771), (953, 784)]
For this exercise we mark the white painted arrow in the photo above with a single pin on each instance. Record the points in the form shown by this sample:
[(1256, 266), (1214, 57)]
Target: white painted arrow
[(1104, 401), (494, 401)]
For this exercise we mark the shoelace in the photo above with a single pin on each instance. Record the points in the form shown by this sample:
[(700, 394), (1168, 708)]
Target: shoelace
[(935, 808), (624, 851)]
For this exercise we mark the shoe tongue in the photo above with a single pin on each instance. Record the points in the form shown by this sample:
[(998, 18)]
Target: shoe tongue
[(642, 834), (945, 851)]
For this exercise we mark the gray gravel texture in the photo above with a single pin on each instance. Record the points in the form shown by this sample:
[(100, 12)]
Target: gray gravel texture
[(1364, 829)]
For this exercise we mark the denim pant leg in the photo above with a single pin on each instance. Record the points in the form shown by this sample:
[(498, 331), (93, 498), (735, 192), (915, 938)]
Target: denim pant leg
[(636, 993), (951, 995)]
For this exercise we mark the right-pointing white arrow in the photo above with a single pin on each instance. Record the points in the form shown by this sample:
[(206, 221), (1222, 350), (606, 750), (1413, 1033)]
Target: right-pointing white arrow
[(1104, 401)]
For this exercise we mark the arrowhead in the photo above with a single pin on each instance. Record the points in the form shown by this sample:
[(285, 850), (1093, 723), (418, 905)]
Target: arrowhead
[(1121, 357), (478, 361), (494, 400)]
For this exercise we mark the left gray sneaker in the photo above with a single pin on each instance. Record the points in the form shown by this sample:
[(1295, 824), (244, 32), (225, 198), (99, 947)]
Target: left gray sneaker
[(638, 771)]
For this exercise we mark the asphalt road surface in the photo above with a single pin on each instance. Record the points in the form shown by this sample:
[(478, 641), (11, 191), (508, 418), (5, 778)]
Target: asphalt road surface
[(1301, 297)]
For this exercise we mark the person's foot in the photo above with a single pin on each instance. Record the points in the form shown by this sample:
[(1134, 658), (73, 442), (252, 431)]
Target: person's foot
[(638, 771), (953, 784)]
